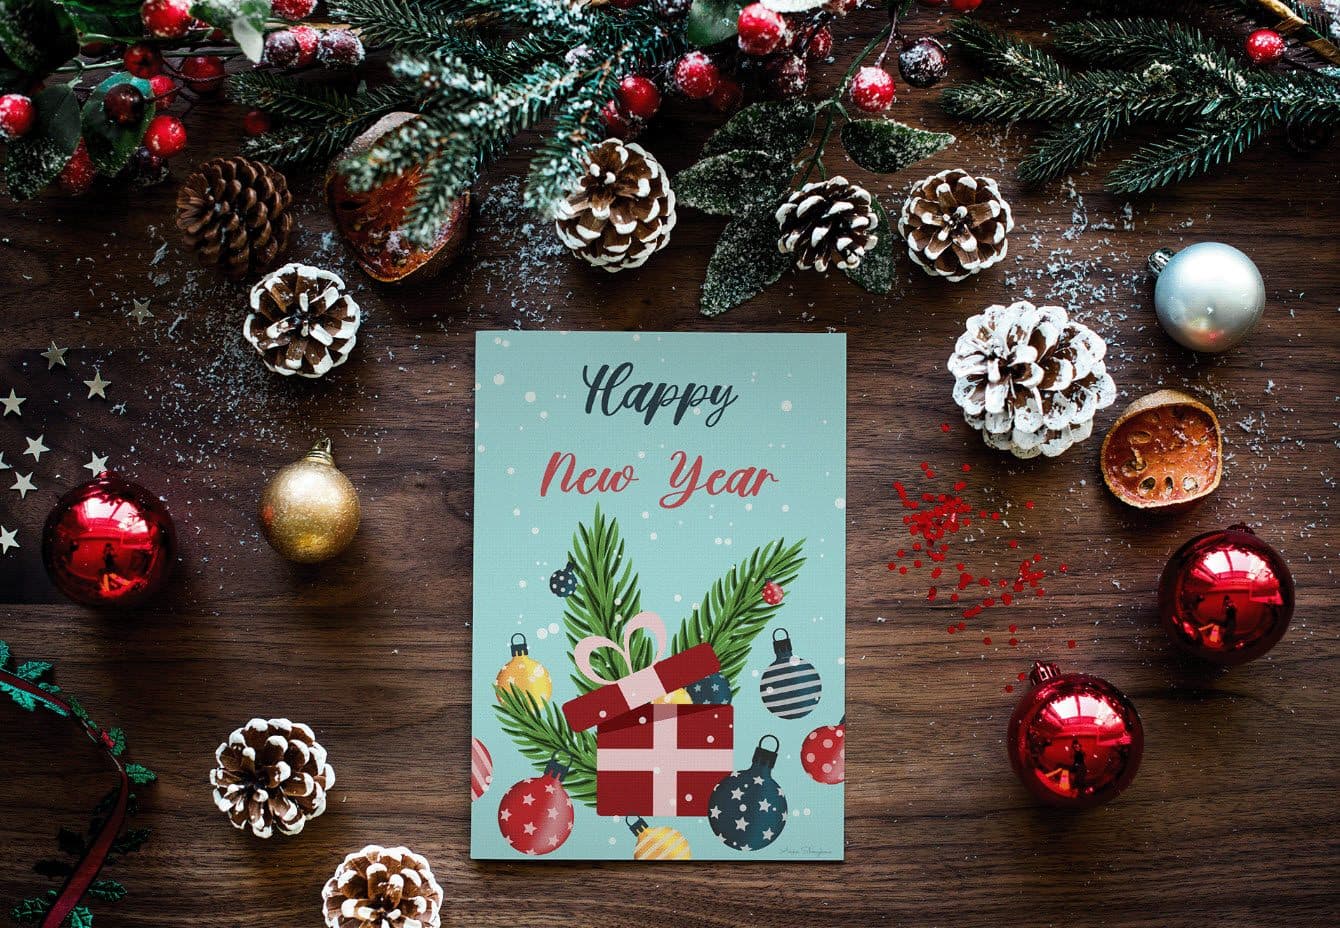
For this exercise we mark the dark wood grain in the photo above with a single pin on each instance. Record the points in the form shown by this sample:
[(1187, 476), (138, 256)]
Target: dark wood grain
[(1233, 820)]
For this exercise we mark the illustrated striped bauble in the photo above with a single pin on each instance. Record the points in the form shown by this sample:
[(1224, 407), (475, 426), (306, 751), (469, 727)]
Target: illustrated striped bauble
[(481, 769), (657, 842), (790, 686)]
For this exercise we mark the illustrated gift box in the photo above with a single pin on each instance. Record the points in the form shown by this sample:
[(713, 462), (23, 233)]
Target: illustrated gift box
[(652, 758)]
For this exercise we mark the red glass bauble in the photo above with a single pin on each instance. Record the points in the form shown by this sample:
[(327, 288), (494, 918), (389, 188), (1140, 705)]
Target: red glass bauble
[(1074, 740), (109, 542), (1226, 596)]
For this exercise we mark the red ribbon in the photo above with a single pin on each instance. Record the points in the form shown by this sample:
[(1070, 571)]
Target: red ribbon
[(78, 882)]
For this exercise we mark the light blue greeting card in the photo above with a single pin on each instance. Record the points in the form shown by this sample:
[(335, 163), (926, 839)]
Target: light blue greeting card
[(659, 603)]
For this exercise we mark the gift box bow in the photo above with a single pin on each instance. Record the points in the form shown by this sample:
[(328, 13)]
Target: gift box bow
[(613, 698)]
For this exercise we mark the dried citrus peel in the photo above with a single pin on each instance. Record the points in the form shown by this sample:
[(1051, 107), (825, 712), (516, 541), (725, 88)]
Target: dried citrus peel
[(1165, 450)]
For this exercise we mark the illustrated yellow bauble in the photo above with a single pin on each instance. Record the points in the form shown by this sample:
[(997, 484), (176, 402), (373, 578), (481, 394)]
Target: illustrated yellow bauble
[(657, 842), (524, 673), (679, 697), (309, 510)]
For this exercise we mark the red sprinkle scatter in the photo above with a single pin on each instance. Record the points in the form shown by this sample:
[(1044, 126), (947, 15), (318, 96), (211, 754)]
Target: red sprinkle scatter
[(986, 640), (1009, 687), (944, 426), (1070, 643)]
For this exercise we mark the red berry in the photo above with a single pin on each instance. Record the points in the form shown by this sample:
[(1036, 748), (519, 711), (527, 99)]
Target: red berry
[(964, 6), (255, 123), (164, 89), (143, 60), (293, 9), (166, 19), (639, 96), (339, 48), (203, 73), (166, 136), (727, 97), (696, 75), (308, 38), (760, 30), (1265, 46), (872, 89), (820, 45), (618, 123), (16, 115), (77, 175), (786, 76), (124, 104)]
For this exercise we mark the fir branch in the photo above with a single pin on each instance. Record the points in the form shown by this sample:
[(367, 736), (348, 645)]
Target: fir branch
[(1068, 145), (1125, 43), (541, 732), (995, 51), (733, 612), (607, 596), (1190, 152)]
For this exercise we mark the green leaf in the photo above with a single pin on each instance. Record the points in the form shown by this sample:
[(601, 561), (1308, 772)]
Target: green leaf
[(885, 146), (32, 670), (140, 774), (81, 916), (131, 841), (36, 35), (735, 183), (32, 910), (745, 262), (107, 891), (110, 145), (118, 737), (875, 272), (4, 654), (712, 21), (778, 126), (243, 19), (36, 159)]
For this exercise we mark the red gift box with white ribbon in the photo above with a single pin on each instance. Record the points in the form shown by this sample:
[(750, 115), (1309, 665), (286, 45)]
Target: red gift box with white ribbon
[(652, 758)]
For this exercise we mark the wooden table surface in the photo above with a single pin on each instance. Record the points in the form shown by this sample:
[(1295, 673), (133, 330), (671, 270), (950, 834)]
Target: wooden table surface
[(1233, 820)]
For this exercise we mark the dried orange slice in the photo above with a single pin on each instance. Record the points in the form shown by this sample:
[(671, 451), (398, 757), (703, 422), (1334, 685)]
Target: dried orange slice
[(372, 222), (1165, 450)]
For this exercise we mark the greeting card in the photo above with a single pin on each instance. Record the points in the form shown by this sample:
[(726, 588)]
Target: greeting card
[(659, 603)]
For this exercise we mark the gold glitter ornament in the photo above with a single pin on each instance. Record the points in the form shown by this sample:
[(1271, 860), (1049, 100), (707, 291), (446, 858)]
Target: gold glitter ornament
[(524, 673), (309, 510)]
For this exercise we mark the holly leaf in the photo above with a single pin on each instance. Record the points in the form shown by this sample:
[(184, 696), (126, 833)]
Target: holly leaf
[(36, 35), (107, 891), (745, 262), (875, 272), (712, 21), (110, 145), (140, 774), (735, 183), (4, 654), (32, 670), (118, 737), (243, 19), (81, 916), (885, 146), (778, 126), (35, 160), (32, 910), (131, 841)]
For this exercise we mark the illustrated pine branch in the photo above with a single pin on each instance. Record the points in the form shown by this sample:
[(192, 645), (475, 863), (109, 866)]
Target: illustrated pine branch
[(607, 596), (541, 733), (733, 612), (1139, 72)]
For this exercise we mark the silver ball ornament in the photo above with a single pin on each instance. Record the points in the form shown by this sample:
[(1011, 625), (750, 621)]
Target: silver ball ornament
[(1208, 296)]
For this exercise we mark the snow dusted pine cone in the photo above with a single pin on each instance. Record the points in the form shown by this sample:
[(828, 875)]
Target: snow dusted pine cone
[(956, 224), (302, 321), (381, 887), (1030, 379), (271, 775), (827, 222), (620, 211)]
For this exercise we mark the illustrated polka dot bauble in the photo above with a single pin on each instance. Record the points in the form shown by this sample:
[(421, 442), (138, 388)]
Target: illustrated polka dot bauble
[(747, 809), (790, 687), (524, 673), (536, 815), (823, 753), (658, 842), (564, 582)]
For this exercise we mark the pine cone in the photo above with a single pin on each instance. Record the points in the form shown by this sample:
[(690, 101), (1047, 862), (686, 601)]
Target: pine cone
[(1030, 379), (827, 222), (302, 321), (956, 224), (233, 212), (620, 211), (271, 775), (381, 887)]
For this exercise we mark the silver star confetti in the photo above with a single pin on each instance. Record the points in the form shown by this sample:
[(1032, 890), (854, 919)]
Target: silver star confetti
[(96, 463), (54, 356), (97, 386), (7, 540), (36, 448), (12, 403), (22, 484), (141, 311)]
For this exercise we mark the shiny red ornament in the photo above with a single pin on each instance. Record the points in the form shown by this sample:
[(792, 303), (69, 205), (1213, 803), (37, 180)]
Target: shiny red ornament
[(823, 753), (1074, 740), (1226, 596), (109, 542), (536, 815)]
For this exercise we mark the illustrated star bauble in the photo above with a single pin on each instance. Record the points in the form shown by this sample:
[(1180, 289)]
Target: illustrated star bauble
[(12, 403), (747, 809), (54, 356), (536, 814), (97, 386)]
